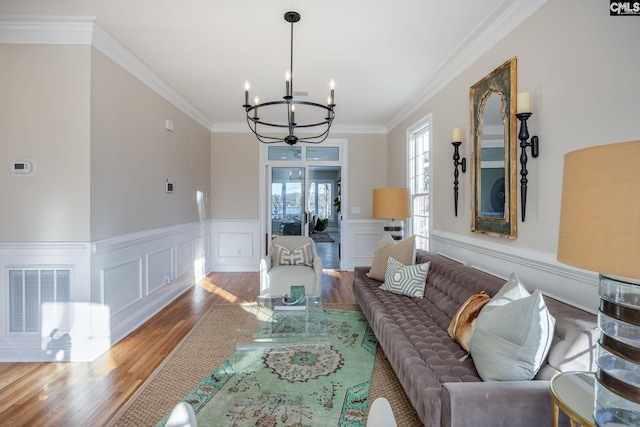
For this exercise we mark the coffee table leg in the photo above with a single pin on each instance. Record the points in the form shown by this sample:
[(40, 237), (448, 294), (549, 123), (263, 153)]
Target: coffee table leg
[(555, 413)]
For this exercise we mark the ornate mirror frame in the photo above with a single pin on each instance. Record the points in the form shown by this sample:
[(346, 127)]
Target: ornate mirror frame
[(492, 137)]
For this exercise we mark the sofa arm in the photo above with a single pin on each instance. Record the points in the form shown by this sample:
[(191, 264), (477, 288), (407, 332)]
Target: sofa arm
[(265, 266), (497, 403), (317, 268)]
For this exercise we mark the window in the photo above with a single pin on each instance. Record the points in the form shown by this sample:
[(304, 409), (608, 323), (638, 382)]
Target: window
[(321, 198), (418, 139)]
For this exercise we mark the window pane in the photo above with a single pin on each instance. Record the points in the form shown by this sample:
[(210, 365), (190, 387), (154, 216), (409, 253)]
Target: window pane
[(418, 168), (323, 153), (285, 153)]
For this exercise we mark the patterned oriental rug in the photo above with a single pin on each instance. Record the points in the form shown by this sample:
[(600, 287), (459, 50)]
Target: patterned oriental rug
[(325, 377)]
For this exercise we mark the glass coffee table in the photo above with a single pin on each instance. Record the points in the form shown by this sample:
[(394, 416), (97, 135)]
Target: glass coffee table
[(274, 322)]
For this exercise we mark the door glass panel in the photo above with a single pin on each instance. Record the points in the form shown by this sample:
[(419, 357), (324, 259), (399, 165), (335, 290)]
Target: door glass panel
[(285, 153), (322, 154), (287, 201)]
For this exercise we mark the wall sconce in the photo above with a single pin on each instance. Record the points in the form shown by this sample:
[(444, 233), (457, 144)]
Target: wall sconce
[(457, 140), (523, 112)]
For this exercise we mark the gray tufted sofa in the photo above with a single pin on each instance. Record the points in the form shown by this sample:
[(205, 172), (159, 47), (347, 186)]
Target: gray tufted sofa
[(444, 388)]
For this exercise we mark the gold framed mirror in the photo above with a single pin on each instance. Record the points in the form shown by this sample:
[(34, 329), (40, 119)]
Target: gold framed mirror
[(493, 152)]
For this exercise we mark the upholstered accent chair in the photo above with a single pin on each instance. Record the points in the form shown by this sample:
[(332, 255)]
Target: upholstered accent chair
[(292, 260)]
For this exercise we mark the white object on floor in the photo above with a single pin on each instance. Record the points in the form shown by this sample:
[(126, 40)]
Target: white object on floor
[(182, 415), (381, 414)]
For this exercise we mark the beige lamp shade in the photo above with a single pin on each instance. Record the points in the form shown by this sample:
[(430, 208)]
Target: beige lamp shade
[(600, 209), (391, 203)]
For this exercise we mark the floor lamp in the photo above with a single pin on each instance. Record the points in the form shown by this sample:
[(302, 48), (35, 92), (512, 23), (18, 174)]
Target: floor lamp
[(600, 231), (392, 204)]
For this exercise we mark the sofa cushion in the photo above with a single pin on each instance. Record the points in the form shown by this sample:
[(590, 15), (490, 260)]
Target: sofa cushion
[(510, 341), (302, 255), (403, 251), (408, 280), (462, 323)]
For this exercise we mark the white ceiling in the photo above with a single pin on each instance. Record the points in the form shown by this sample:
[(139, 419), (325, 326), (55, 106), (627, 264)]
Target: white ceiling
[(385, 56)]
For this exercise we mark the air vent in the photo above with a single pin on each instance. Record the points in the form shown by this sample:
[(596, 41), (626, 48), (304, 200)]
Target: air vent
[(29, 289)]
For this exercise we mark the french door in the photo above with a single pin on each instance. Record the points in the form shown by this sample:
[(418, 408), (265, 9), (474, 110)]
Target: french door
[(302, 189), (288, 201)]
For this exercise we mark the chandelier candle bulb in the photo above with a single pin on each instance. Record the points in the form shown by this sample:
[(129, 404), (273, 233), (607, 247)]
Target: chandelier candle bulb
[(287, 78), (332, 85), (457, 135), (246, 93), (523, 103)]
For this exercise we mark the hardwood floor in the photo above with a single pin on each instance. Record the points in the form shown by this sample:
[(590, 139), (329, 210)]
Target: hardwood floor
[(90, 394)]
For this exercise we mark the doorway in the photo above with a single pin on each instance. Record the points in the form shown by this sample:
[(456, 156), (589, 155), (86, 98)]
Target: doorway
[(304, 196)]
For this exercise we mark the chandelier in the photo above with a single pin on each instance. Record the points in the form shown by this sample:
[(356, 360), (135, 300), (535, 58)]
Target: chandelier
[(313, 112)]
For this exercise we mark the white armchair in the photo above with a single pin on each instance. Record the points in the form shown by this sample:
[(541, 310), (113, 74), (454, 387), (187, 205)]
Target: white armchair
[(292, 260)]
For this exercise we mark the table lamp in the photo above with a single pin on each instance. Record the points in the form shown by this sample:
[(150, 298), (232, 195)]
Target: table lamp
[(600, 231), (392, 203)]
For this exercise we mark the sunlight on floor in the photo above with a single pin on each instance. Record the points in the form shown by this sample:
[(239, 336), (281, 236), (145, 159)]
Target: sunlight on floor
[(332, 273), (214, 289)]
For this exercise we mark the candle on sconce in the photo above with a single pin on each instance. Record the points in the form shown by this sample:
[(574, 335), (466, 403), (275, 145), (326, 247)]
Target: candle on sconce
[(457, 135), (523, 103)]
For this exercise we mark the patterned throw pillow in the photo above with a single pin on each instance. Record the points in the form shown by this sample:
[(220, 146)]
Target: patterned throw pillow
[(299, 256), (408, 280)]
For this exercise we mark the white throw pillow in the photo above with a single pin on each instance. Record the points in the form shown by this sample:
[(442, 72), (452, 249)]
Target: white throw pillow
[(408, 280), (512, 335), (302, 255)]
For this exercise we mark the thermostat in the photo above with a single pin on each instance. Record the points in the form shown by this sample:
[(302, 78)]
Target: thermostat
[(168, 186), (23, 167)]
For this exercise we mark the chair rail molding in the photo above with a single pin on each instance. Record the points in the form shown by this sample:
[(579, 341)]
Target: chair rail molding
[(537, 270)]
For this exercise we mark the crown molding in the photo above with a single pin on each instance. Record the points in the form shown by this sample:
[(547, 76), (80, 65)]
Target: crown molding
[(89, 30), (337, 128), (46, 29), (469, 51)]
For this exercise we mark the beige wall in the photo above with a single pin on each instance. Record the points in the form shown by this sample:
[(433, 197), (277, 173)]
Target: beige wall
[(235, 160), (132, 155), (235, 169), (579, 65), (98, 137), (44, 116)]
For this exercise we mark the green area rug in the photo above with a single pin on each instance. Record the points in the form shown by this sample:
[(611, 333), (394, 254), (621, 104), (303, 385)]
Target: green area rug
[(310, 385)]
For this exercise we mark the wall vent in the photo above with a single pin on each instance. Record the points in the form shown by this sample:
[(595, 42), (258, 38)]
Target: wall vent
[(29, 289)]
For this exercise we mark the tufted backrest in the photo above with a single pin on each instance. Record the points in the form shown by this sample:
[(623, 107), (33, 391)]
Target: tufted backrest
[(450, 284)]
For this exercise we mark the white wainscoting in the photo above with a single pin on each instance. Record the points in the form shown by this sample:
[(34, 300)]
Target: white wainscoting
[(235, 245), (359, 242), (536, 270), (116, 285)]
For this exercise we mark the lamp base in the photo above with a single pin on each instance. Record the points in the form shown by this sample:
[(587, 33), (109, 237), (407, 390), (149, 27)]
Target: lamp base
[(617, 388), (395, 229)]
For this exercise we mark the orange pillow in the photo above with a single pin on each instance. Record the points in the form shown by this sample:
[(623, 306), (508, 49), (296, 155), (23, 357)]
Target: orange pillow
[(462, 323)]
